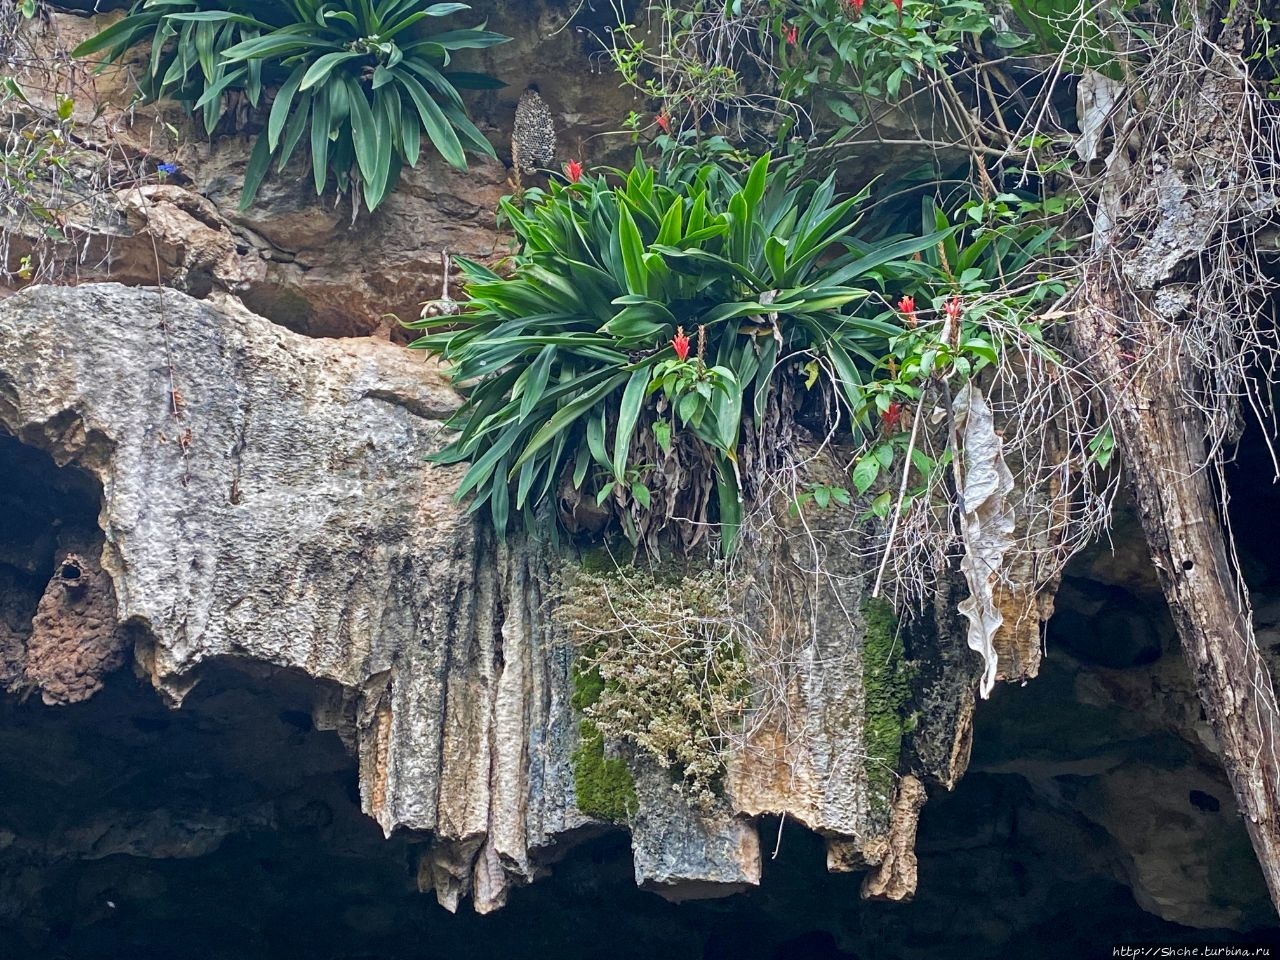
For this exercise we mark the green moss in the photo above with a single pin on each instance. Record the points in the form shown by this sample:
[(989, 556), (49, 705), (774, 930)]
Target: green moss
[(603, 785), (660, 669), (886, 680), (598, 560), (587, 687)]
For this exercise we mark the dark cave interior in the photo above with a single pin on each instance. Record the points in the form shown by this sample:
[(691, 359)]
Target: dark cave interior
[(231, 827)]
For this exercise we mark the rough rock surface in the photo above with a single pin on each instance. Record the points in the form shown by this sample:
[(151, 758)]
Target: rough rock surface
[(304, 262), (1136, 758), (265, 498)]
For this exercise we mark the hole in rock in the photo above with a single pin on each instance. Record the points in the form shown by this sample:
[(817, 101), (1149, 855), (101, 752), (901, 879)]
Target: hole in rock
[(1204, 801)]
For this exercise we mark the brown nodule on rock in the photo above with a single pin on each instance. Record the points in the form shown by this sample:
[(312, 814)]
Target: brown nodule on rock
[(75, 639)]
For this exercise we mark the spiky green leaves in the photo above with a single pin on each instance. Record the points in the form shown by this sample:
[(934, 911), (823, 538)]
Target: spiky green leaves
[(354, 73), (569, 364)]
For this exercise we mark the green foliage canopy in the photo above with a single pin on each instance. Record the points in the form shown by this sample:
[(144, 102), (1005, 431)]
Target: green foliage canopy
[(567, 361)]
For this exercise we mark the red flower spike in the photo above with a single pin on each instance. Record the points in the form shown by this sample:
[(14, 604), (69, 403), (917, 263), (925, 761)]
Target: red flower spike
[(680, 343), (907, 307), (573, 170), (955, 309), (791, 34), (898, 4), (664, 121), (855, 7), (892, 417)]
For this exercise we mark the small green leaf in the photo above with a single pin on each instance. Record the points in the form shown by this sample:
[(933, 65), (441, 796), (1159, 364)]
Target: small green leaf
[(603, 495), (688, 407), (641, 494), (882, 504), (865, 473), (662, 434), (922, 461)]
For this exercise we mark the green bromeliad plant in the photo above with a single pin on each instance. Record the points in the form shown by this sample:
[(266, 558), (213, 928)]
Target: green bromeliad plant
[(356, 76), (651, 324)]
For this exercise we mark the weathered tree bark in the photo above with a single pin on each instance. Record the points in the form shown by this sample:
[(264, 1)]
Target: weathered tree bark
[(1163, 444), (1186, 187)]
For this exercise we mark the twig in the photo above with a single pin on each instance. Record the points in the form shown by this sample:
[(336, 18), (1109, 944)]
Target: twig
[(902, 492)]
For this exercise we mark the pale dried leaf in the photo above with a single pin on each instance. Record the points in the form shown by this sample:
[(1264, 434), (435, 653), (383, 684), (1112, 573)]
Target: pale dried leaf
[(1096, 100), (987, 522)]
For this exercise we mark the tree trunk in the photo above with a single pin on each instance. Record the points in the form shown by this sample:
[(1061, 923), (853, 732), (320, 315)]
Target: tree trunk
[(1162, 438)]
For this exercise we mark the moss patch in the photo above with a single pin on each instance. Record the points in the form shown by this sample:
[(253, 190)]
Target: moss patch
[(603, 786), (661, 668), (886, 681)]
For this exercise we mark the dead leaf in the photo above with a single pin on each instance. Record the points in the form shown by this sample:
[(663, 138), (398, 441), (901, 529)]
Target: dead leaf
[(987, 522)]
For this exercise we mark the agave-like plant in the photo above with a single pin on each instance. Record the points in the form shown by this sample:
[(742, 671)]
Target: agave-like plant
[(569, 360), (185, 61), (352, 73)]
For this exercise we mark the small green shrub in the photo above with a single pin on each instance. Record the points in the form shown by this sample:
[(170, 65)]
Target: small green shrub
[(655, 310), (54, 192), (878, 51), (351, 73)]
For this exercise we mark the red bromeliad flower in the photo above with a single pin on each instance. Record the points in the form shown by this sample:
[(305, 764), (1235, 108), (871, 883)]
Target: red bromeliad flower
[(664, 121), (907, 307), (791, 33), (892, 417), (680, 343), (898, 4), (855, 7), (955, 309), (573, 170)]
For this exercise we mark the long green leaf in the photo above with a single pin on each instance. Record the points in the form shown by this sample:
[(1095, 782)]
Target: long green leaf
[(321, 120), (730, 503), (259, 161), (897, 250), (569, 413), (632, 249), (434, 121), (283, 102), (123, 33), (628, 414), (325, 65)]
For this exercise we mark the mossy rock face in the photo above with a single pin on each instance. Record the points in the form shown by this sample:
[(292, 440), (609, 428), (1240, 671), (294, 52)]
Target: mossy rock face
[(661, 673), (603, 786), (886, 680)]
